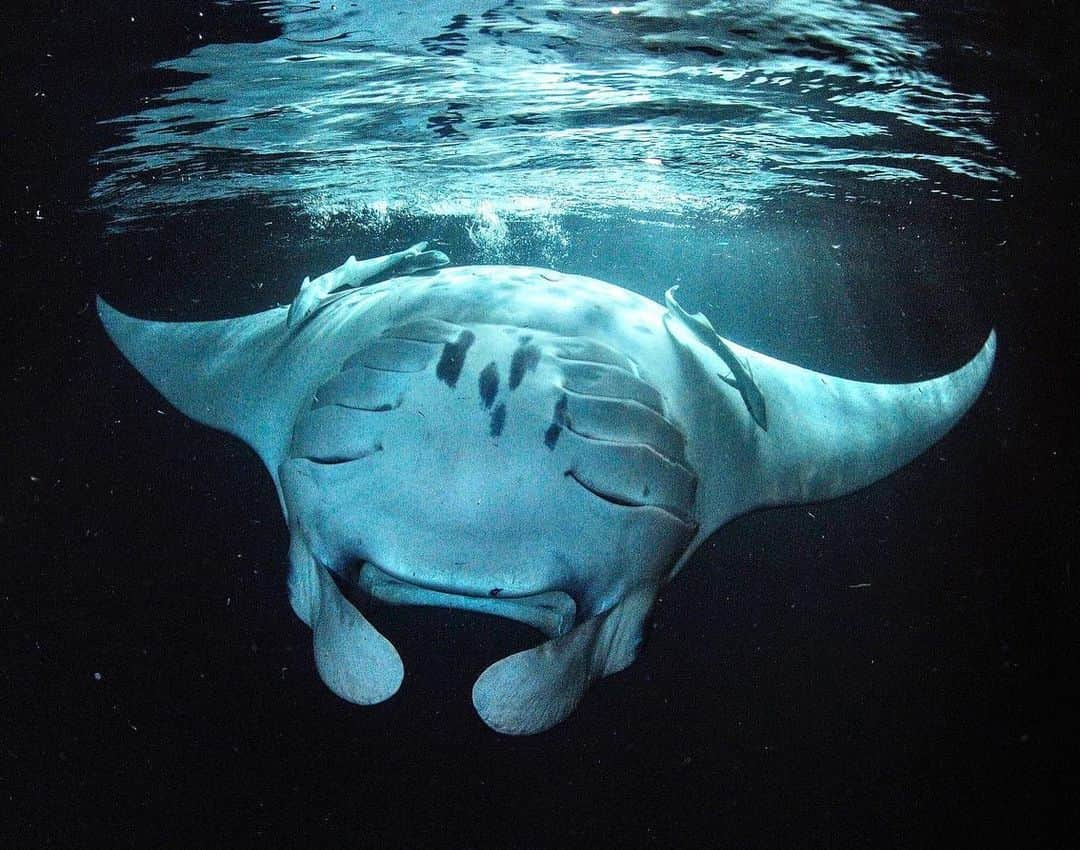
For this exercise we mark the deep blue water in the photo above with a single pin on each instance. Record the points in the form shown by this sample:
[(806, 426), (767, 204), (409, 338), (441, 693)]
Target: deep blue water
[(863, 189)]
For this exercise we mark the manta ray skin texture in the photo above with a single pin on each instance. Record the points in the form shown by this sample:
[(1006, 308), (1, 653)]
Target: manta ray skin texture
[(541, 446)]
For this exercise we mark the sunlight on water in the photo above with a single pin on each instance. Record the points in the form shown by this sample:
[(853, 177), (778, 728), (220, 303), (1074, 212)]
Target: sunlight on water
[(506, 110)]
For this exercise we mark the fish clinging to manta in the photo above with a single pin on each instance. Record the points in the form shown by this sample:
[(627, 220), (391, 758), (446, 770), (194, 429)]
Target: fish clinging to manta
[(516, 441)]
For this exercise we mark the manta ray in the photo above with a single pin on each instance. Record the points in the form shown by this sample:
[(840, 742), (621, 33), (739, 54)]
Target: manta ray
[(541, 446)]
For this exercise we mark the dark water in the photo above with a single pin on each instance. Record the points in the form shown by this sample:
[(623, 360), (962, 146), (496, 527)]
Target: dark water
[(858, 188)]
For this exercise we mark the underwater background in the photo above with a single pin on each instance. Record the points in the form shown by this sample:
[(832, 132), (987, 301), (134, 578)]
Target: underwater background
[(860, 188)]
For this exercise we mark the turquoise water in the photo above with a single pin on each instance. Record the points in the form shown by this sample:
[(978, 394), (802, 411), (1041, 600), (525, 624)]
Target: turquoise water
[(502, 112)]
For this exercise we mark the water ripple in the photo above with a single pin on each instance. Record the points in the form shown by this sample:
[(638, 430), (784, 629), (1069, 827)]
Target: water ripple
[(700, 108)]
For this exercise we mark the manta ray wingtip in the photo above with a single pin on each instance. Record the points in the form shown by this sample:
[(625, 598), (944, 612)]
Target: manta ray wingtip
[(106, 312), (119, 326)]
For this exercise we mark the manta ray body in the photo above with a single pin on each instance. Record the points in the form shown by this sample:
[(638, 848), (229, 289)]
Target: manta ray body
[(542, 446)]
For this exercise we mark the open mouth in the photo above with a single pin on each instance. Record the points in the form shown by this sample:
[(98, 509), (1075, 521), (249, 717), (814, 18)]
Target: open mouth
[(552, 612)]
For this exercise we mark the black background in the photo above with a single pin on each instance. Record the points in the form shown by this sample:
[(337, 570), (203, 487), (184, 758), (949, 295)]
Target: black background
[(157, 691)]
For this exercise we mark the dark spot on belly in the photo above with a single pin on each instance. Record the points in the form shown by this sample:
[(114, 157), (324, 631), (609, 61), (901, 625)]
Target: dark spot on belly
[(524, 359), (645, 329), (558, 420), (495, 591), (559, 417), (498, 419), (551, 435), (489, 384), (453, 358)]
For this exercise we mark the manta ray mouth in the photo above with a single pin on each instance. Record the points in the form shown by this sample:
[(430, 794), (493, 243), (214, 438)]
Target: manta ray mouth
[(552, 612)]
